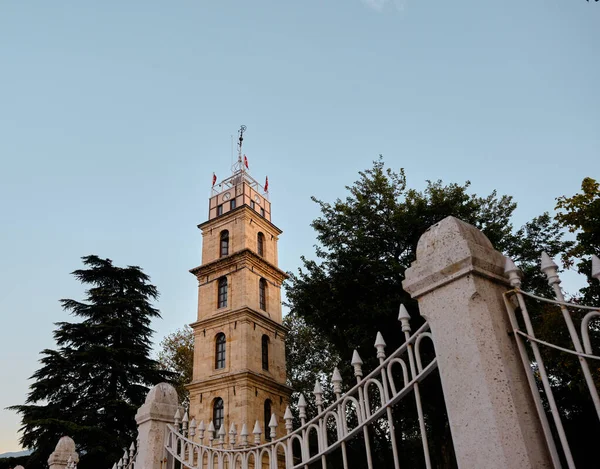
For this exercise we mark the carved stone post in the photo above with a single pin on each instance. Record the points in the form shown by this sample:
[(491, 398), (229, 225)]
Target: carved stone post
[(65, 450), (152, 419), (458, 279)]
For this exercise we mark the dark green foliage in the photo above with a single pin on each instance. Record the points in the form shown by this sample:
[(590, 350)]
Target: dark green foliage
[(91, 386), (9, 463), (365, 244)]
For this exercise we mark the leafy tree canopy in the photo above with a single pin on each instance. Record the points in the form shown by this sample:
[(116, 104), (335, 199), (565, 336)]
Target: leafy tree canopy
[(91, 386), (176, 355), (367, 241)]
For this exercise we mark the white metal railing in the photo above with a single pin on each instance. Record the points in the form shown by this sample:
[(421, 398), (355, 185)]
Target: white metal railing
[(536, 368), (353, 415), (127, 461)]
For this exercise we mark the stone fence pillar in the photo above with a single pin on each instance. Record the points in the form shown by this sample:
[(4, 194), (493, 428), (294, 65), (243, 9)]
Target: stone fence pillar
[(458, 280), (152, 419), (63, 453)]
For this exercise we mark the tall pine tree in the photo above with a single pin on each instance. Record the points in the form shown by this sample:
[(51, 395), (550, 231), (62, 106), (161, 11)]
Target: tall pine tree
[(91, 386)]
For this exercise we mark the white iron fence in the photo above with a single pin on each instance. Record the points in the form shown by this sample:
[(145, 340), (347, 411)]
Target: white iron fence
[(367, 407), (563, 378)]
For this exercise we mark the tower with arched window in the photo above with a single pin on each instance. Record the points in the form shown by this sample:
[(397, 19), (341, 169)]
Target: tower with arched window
[(239, 352)]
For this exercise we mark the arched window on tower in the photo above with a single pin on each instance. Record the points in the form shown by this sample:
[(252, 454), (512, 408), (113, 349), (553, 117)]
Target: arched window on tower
[(224, 245), (262, 294), (222, 294), (218, 413), (267, 418), (220, 344), (265, 352), (260, 244)]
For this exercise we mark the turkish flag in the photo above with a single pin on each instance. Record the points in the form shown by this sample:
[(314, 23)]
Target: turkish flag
[(246, 162), (214, 179), (267, 184)]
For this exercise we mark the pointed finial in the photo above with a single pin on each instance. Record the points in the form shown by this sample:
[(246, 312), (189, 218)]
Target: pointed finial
[(357, 363), (125, 457), (177, 418), (550, 269), (131, 450), (120, 464), (221, 431), (595, 267), (288, 417), (302, 407), (512, 272), (244, 435), (257, 432), (114, 466), (211, 431), (380, 346), (404, 318), (336, 379), (232, 434), (318, 392), (273, 426), (193, 426)]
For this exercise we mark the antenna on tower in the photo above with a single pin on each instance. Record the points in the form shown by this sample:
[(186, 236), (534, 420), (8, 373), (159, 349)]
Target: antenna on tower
[(240, 141)]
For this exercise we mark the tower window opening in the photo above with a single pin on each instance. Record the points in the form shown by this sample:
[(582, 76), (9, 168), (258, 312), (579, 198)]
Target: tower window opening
[(265, 352), (232, 204), (224, 245), (222, 300), (262, 212), (220, 344), (267, 418), (219, 209), (260, 244), (252, 204), (218, 413), (262, 294)]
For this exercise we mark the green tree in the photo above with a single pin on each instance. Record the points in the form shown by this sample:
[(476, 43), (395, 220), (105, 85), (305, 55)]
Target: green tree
[(580, 214), (365, 244), (176, 355), (91, 386)]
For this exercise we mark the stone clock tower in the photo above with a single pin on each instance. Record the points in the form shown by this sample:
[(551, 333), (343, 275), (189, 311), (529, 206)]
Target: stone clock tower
[(239, 342)]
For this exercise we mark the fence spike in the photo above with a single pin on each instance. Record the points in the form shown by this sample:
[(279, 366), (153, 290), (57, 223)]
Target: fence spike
[(131, 450), (114, 466), (193, 426), (125, 457), (595, 267), (177, 418), (288, 417), (336, 379), (550, 269), (513, 273), (273, 426), (211, 432), (244, 435), (120, 464), (404, 318), (357, 363), (257, 432), (318, 392), (380, 345), (232, 434), (302, 407)]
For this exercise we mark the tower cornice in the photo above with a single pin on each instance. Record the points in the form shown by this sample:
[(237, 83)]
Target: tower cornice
[(241, 314), (238, 260), (246, 212)]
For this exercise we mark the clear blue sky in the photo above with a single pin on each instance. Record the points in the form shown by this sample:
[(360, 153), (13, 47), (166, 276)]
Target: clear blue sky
[(114, 114)]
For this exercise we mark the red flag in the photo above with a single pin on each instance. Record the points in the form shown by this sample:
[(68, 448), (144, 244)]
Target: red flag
[(267, 184), (246, 162), (214, 179)]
